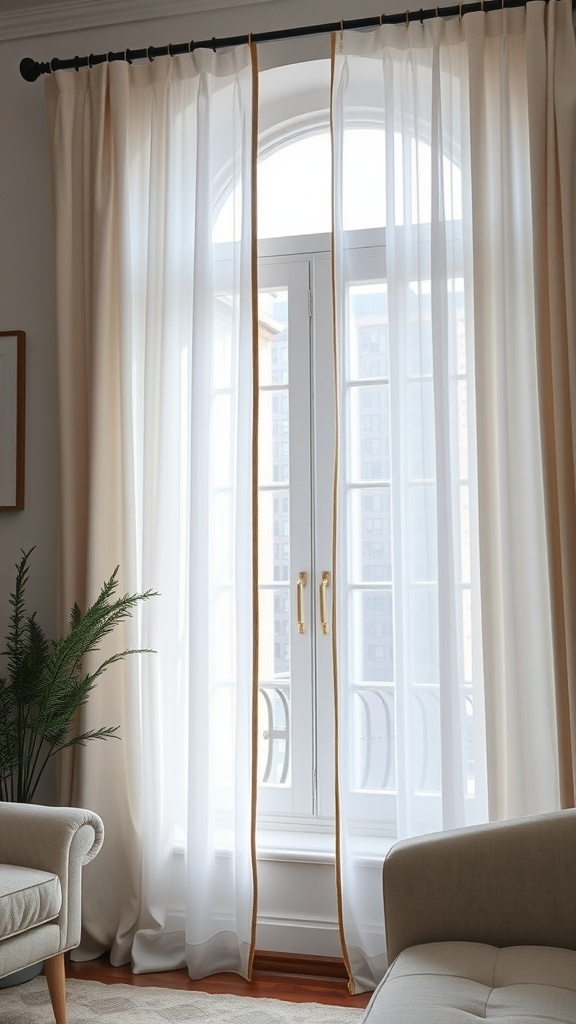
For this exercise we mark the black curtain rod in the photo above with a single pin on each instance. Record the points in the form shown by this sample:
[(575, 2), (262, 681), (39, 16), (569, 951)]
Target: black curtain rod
[(31, 69)]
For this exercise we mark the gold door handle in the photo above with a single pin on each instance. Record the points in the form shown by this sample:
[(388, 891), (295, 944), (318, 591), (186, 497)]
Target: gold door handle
[(302, 578), (324, 584)]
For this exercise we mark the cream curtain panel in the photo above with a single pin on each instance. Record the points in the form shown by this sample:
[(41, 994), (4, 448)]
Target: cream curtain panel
[(478, 190), (510, 128), (156, 375)]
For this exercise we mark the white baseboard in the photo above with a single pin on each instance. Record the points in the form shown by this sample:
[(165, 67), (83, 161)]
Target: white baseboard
[(308, 937)]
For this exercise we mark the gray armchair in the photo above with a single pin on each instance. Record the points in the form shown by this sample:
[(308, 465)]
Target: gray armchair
[(42, 852), (481, 925)]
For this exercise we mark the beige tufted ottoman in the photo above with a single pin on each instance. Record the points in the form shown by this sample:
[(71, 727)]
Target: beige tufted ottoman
[(466, 982)]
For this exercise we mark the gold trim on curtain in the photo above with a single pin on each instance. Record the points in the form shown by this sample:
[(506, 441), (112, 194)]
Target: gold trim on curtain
[(255, 423), (337, 811)]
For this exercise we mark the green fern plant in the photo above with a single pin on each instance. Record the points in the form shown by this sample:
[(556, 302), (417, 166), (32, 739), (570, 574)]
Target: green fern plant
[(45, 683)]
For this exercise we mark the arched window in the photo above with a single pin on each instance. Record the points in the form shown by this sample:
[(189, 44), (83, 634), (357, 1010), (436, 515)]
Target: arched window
[(296, 443), (295, 173)]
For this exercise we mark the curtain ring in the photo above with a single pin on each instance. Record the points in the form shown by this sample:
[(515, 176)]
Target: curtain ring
[(91, 60), (421, 16), (381, 20), (76, 63), (191, 46), (407, 18), (249, 39), (127, 56), (460, 11), (437, 12), (150, 53), (214, 43)]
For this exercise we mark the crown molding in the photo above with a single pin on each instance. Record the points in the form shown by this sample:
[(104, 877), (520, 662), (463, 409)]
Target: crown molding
[(70, 15)]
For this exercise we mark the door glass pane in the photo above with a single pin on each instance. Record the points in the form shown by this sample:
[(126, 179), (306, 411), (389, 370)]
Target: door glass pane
[(369, 436), (274, 541), (374, 766), (392, 431), (369, 534), (368, 346)]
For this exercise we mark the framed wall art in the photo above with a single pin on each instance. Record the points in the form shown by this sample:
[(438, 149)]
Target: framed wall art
[(12, 408)]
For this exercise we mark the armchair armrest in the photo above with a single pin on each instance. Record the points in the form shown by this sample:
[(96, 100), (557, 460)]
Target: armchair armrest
[(506, 883), (40, 837), (55, 839)]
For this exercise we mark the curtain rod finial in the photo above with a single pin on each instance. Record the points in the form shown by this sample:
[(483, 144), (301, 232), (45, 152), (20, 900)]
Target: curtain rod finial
[(30, 69)]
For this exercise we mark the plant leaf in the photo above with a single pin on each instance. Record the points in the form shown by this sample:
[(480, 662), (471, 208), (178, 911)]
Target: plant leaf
[(45, 684)]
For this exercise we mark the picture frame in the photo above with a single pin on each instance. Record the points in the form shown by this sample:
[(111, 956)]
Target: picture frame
[(12, 418)]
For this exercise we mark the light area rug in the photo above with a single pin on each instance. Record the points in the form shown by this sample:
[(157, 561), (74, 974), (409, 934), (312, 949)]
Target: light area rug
[(91, 1002)]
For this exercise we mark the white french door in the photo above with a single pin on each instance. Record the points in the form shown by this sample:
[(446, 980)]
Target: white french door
[(388, 592), (296, 480), (295, 484)]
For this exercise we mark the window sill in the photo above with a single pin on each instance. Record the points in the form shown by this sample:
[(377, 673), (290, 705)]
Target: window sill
[(295, 846), (319, 847), (304, 846)]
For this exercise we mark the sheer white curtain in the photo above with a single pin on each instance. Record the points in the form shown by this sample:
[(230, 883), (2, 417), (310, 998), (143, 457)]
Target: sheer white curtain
[(156, 387), (471, 689), (412, 85)]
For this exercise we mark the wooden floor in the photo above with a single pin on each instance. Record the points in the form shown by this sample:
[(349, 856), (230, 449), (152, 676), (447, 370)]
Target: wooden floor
[(295, 978)]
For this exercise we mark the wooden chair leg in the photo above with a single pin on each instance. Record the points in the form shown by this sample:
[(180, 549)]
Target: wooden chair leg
[(56, 978)]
